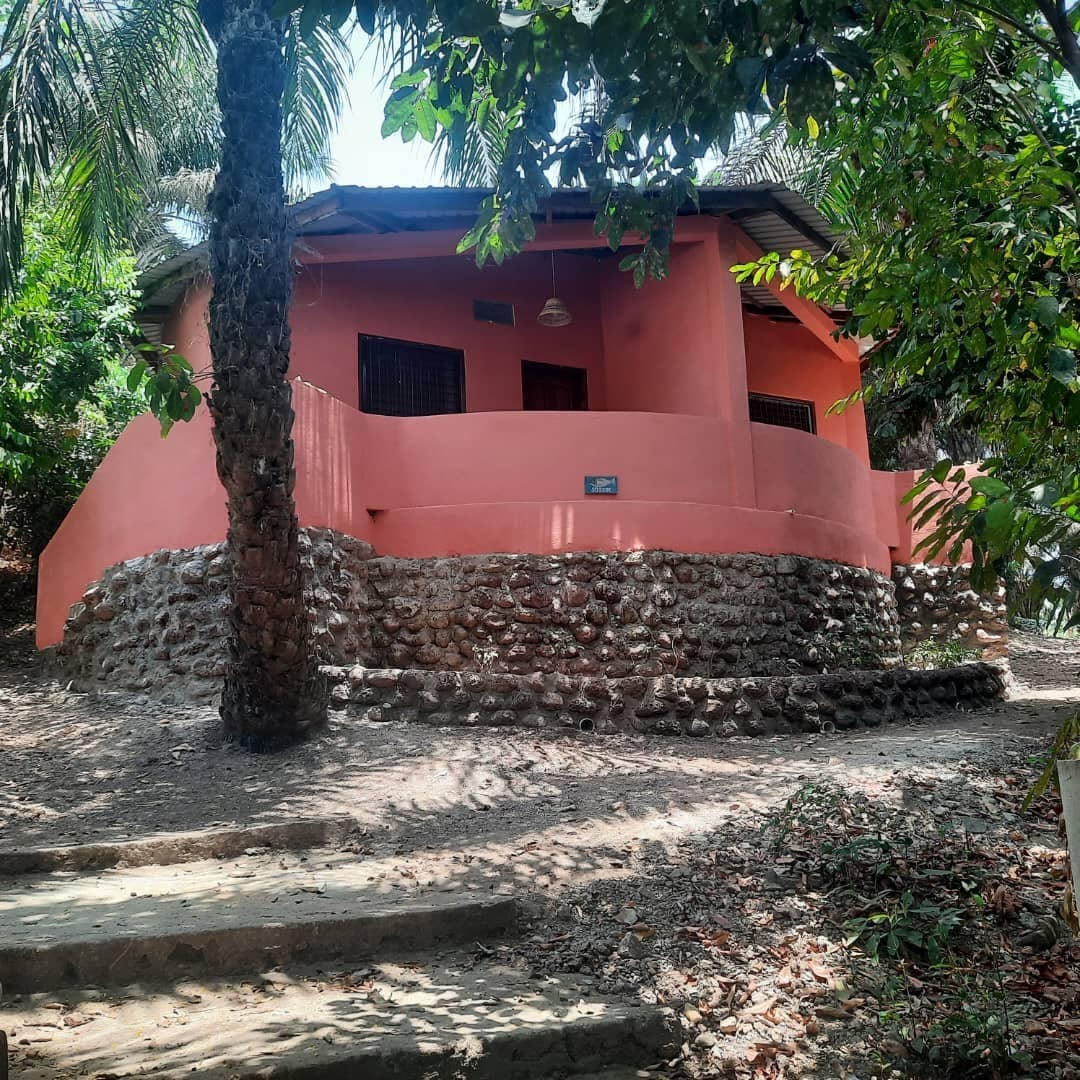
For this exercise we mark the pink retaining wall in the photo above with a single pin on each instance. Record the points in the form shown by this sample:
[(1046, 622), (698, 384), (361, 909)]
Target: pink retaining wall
[(479, 482), (170, 497)]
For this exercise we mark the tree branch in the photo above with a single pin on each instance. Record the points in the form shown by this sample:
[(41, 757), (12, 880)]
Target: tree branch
[(1058, 19), (1025, 114), (1025, 31)]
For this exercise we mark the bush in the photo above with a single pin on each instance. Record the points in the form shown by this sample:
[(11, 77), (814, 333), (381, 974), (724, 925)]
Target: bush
[(66, 453), (64, 340)]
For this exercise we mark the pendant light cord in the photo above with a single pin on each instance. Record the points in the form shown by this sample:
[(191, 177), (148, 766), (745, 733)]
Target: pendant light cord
[(554, 292)]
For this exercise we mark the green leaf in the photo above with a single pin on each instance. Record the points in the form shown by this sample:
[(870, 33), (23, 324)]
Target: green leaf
[(366, 13), (1062, 365), (135, 375), (990, 486), (1046, 311), (426, 122), (941, 470), (998, 527), (409, 78)]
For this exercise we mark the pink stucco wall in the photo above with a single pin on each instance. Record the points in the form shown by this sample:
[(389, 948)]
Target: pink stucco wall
[(186, 328), (148, 493), (909, 536), (676, 346), (784, 359), (430, 301), (662, 339), (515, 485)]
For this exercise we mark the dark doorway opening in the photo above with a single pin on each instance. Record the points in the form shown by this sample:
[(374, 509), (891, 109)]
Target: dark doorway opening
[(553, 386), (407, 378)]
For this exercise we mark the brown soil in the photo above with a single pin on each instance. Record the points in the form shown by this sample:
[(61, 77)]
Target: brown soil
[(739, 931)]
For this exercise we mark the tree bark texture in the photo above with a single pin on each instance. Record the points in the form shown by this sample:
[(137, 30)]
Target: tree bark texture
[(272, 692), (918, 450)]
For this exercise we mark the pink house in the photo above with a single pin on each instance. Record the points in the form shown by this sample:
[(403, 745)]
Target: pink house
[(438, 416)]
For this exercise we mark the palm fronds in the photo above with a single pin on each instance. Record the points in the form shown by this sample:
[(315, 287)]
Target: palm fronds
[(43, 44), (471, 153), (111, 110), (318, 67)]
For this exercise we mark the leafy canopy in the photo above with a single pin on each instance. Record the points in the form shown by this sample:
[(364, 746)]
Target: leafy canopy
[(108, 116), (673, 77), (964, 269), (110, 110), (63, 338), (58, 334)]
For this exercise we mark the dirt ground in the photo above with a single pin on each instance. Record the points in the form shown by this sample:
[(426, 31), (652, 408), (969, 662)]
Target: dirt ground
[(699, 874), (76, 767)]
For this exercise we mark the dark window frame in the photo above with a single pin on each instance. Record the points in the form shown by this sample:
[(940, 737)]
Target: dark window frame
[(539, 366), (776, 401), (366, 377)]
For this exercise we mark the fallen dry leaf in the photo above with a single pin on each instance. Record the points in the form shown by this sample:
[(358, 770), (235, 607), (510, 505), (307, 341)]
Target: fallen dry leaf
[(832, 1012)]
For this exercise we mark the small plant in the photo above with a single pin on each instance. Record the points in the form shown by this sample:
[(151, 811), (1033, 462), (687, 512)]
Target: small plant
[(973, 1039), (807, 808), (933, 653), (1066, 745), (908, 927), (862, 858), (849, 645)]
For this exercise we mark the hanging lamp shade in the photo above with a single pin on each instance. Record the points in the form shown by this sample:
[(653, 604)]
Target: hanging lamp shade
[(554, 312)]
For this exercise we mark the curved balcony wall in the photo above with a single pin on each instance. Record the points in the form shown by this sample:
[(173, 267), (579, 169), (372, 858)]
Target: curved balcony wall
[(483, 482)]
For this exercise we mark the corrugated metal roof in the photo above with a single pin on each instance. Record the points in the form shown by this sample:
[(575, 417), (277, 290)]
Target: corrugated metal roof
[(776, 218)]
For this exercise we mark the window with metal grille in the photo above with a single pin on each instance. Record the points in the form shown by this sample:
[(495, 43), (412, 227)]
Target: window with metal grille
[(406, 378), (783, 412)]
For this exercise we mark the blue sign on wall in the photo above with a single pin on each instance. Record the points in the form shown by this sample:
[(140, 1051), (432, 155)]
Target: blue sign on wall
[(601, 485)]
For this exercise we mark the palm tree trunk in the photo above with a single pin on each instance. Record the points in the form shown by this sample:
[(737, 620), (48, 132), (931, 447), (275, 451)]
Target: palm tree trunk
[(272, 691), (918, 450)]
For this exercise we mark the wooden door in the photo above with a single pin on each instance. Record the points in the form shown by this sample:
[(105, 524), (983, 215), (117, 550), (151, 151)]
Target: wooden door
[(553, 386)]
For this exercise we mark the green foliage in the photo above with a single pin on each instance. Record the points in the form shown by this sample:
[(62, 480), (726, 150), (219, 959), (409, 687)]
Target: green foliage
[(1066, 745), (110, 111), (906, 927), (974, 1038), (1016, 528), (805, 808), (912, 899), (932, 653), (57, 336), (853, 841), (167, 382), (67, 385), (671, 78), (63, 400), (67, 453), (964, 268)]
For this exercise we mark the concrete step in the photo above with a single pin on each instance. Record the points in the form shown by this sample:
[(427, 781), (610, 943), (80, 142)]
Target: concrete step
[(214, 917), (392, 1021), (164, 849)]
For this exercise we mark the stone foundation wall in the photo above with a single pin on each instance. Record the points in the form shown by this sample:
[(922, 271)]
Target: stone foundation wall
[(644, 613), (937, 603), (666, 705), (156, 623)]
